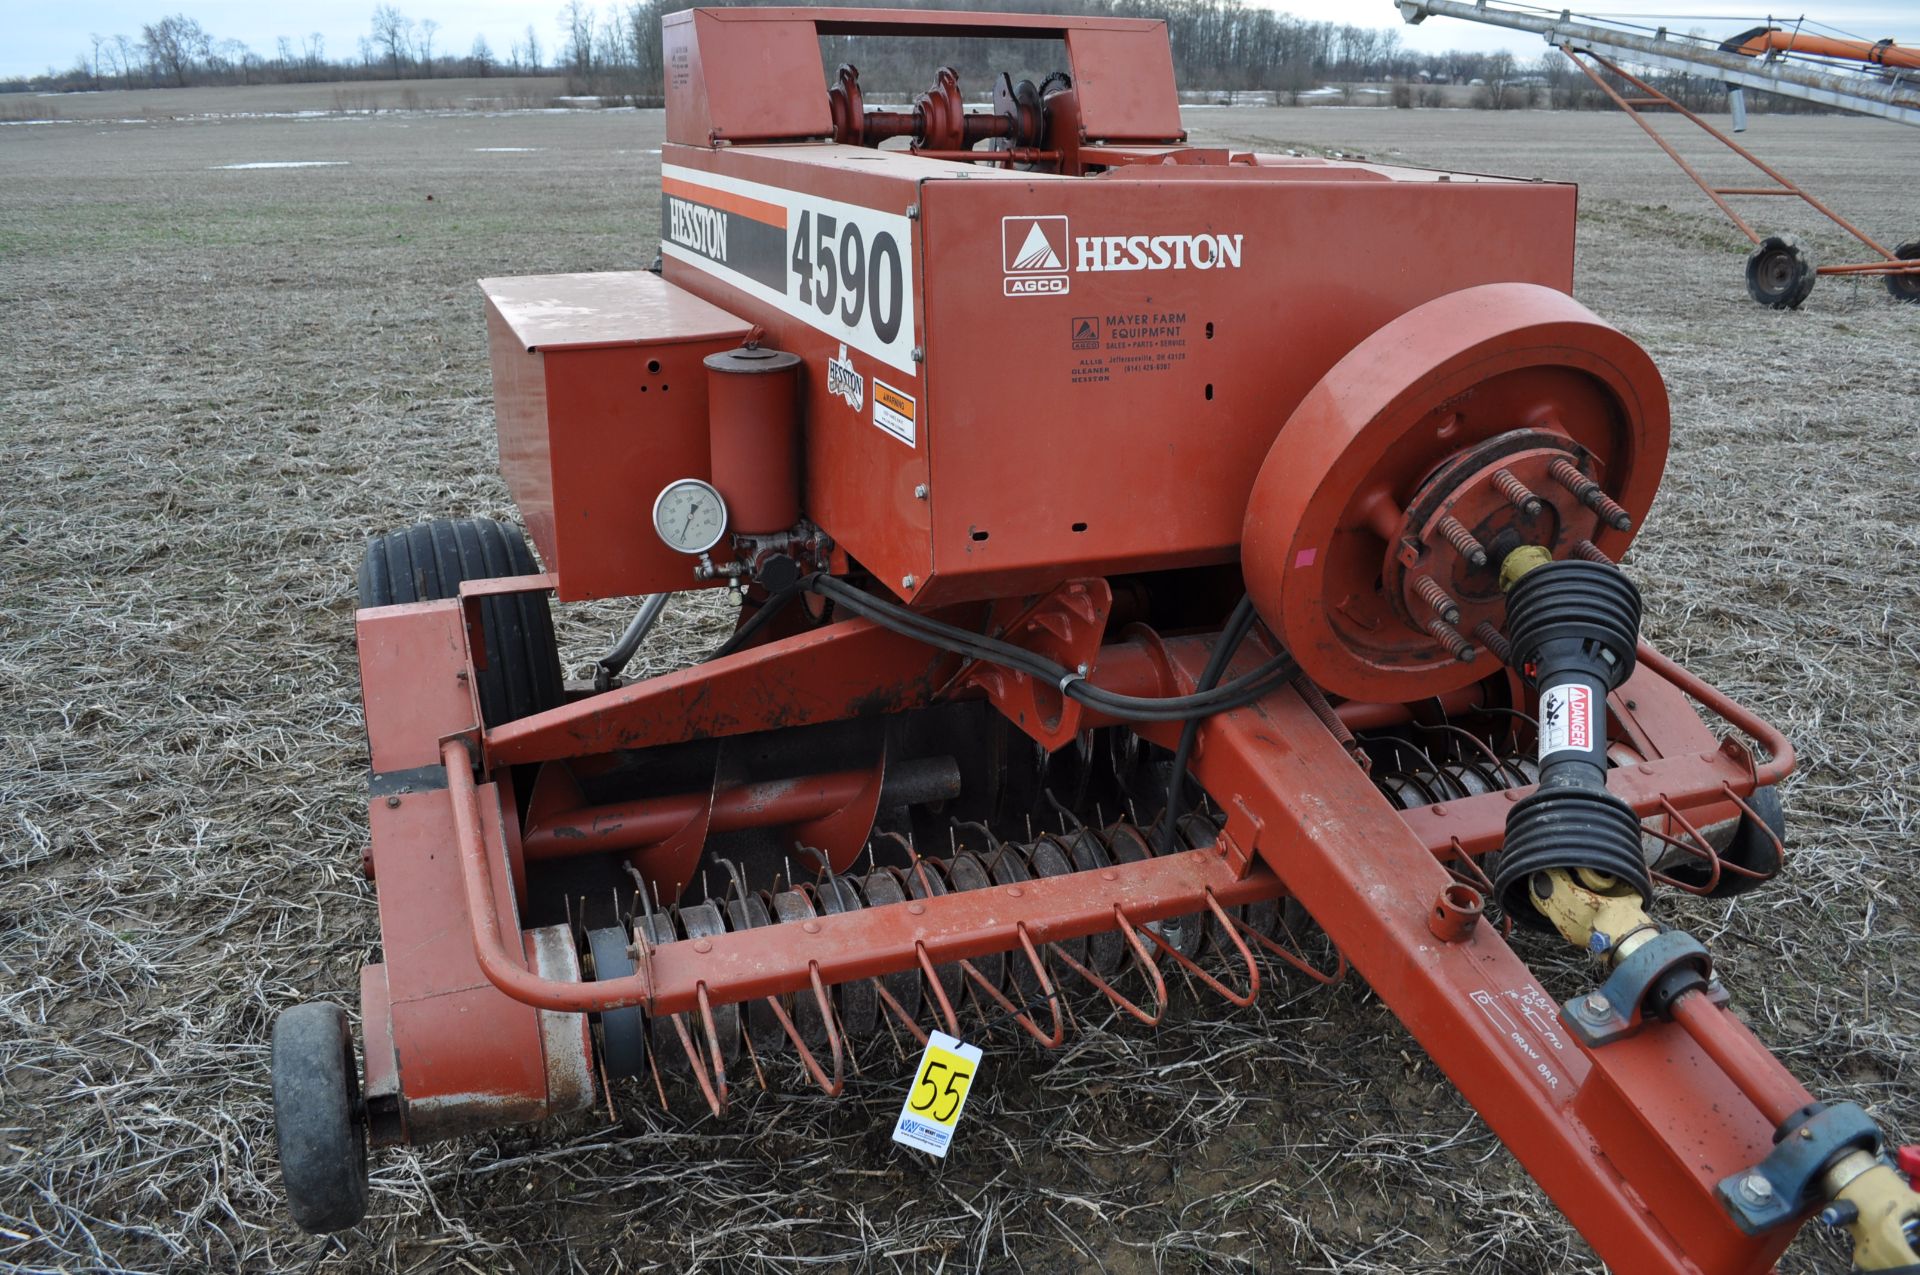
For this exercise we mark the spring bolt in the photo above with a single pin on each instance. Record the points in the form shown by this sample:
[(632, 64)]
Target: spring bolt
[(1517, 493), (1436, 597), (1456, 534), (1589, 494), (1451, 638), (1494, 641), (1591, 552)]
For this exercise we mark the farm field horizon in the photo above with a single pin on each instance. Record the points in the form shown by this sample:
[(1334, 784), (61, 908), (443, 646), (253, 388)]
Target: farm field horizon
[(241, 347)]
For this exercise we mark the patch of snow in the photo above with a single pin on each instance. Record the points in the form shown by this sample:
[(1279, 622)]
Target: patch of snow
[(505, 150), (288, 163)]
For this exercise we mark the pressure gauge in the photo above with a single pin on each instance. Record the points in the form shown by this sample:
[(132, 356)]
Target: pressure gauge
[(690, 515)]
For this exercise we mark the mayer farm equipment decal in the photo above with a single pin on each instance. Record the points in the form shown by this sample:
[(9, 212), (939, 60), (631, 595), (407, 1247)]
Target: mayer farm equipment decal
[(841, 268)]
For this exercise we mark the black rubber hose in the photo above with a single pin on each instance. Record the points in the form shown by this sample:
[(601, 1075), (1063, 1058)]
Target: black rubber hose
[(1231, 635), (1234, 694), (773, 606)]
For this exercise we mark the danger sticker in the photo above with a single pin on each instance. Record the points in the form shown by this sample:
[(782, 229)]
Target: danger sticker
[(1566, 720), (894, 411)]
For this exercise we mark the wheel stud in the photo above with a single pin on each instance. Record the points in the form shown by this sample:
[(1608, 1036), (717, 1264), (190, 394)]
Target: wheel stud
[(1589, 494)]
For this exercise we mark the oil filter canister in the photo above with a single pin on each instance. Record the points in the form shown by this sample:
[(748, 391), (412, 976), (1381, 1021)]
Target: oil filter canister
[(753, 418)]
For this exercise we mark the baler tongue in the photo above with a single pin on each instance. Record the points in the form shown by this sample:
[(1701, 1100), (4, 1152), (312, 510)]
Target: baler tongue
[(1258, 603)]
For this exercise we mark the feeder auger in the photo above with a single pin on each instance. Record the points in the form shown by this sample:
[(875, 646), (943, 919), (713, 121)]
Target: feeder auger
[(1144, 548)]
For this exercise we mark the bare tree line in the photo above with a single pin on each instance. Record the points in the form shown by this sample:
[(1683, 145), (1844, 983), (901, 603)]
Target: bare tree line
[(614, 51)]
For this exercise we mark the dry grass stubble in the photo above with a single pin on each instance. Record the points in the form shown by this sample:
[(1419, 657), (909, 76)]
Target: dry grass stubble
[(219, 385)]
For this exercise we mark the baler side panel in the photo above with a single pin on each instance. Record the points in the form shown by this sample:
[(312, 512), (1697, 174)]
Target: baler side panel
[(1047, 406)]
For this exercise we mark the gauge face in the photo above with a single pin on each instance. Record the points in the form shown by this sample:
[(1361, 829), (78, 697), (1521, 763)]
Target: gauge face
[(690, 516)]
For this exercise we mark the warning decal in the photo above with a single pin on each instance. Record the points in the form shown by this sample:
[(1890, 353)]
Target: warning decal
[(894, 411), (1566, 720)]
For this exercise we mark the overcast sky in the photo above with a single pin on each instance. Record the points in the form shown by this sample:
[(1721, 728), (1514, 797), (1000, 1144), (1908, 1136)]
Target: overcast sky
[(37, 34)]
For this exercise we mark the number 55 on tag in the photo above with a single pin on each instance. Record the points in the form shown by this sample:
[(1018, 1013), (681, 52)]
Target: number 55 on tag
[(940, 1089)]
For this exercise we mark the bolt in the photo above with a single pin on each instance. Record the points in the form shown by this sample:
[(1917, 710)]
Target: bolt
[(393, 803), (920, 491), (907, 582), (1436, 597), (1590, 551), (919, 354), (1517, 493), (1491, 638), (1840, 1213), (1461, 539), (1449, 637), (1611, 513), (1081, 668), (1597, 1005), (1756, 1188)]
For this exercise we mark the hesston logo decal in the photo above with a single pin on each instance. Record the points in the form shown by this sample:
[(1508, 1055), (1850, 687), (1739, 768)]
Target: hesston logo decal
[(743, 234), (1036, 257)]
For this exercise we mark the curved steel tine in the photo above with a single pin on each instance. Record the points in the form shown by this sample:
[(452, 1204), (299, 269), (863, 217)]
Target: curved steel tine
[(1467, 870), (1145, 961), (1694, 844), (1293, 957), (716, 1100), (1779, 846), (1019, 1015), (1192, 967), (831, 1088), (939, 993), (906, 1019)]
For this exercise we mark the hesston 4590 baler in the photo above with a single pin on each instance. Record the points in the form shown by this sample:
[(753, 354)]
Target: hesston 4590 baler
[(1144, 547)]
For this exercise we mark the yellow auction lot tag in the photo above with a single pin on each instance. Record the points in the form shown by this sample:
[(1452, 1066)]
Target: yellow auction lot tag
[(940, 1089)]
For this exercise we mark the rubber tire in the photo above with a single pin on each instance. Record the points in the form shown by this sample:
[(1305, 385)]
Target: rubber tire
[(1751, 848), (1780, 272), (1905, 287), (430, 561), (317, 1117)]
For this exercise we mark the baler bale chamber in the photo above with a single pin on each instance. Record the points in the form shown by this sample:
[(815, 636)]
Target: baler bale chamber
[(1149, 553)]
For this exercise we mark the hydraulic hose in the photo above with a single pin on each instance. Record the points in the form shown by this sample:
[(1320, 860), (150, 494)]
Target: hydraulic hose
[(1231, 635)]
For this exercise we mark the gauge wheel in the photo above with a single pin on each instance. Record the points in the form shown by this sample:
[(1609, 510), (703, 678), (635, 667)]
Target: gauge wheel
[(1905, 287), (429, 562), (1780, 272), (1752, 848), (318, 1118), (623, 1032)]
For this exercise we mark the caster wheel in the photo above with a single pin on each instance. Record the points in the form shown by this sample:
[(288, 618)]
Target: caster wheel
[(317, 1117), (1780, 272), (1905, 287)]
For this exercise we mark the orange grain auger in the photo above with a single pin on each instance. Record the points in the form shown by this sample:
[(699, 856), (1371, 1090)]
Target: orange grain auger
[(1144, 547)]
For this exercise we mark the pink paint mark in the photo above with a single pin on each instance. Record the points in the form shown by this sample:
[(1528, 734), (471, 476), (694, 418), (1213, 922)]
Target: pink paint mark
[(1305, 557)]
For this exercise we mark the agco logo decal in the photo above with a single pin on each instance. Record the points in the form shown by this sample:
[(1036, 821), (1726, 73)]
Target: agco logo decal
[(844, 381), (1034, 255)]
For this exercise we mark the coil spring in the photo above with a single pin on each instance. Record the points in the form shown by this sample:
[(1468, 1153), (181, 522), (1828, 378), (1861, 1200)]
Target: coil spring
[(857, 1005)]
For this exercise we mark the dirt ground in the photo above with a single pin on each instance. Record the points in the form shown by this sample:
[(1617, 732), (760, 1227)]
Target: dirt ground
[(218, 383)]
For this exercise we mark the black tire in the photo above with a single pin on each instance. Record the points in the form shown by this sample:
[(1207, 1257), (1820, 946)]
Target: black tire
[(430, 561), (623, 1032), (1780, 272), (1751, 848), (317, 1117), (1905, 287)]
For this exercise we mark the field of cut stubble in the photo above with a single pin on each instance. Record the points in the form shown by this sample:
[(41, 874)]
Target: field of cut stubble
[(217, 384)]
